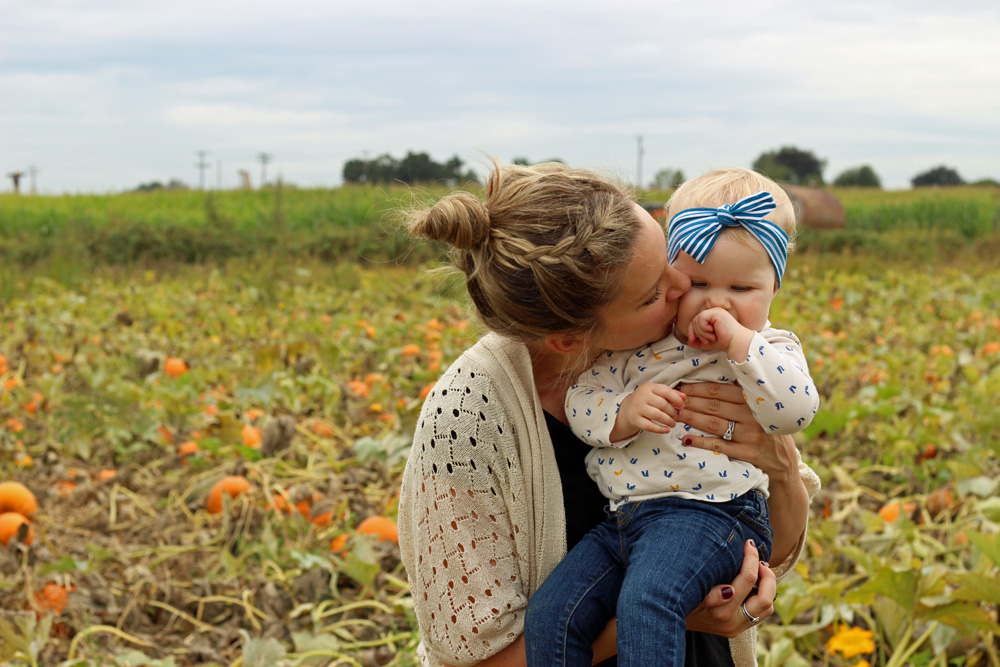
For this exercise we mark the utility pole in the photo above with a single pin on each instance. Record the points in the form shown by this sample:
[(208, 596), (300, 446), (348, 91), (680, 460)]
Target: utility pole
[(32, 171), (638, 166), (264, 159), (202, 165)]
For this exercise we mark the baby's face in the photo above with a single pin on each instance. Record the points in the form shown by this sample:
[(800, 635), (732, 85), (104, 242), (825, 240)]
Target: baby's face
[(737, 278)]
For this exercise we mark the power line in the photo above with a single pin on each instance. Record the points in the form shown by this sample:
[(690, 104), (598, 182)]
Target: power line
[(202, 165), (264, 159)]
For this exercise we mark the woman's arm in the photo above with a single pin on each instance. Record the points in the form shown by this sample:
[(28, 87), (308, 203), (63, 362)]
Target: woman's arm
[(710, 407)]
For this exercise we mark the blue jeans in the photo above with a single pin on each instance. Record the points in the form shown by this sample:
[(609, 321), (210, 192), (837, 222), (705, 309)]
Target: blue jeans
[(651, 563)]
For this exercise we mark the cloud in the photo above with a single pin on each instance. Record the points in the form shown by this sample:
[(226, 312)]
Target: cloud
[(232, 115), (899, 84)]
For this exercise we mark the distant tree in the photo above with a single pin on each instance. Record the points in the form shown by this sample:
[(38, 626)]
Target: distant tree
[(858, 177), (791, 164), (153, 186), (667, 179), (937, 176), (767, 165), (988, 182), (414, 168)]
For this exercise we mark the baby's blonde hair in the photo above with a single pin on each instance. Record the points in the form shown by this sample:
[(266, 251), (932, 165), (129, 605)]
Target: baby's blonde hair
[(544, 253), (727, 186)]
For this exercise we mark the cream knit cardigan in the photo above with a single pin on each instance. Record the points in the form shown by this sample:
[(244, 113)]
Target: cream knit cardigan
[(481, 519)]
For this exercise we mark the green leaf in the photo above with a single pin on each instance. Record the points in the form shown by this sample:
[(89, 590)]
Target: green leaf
[(981, 486), (261, 652), (988, 544), (975, 587), (361, 564), (900, 587), (966, 617), (941, 638), (990, 509), (65, 564), (24, 634)]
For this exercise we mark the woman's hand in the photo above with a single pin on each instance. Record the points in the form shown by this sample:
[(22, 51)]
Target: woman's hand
[(710, 407), (720, 614)]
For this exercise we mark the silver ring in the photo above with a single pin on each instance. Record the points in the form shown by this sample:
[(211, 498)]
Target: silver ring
[(753, 620), (728, 435)]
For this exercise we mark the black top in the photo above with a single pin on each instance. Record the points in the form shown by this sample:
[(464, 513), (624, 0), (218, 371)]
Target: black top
[(586, 507)]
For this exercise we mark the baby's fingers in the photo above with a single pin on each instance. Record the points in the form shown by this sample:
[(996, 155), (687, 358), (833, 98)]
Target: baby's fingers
[(656, 421)]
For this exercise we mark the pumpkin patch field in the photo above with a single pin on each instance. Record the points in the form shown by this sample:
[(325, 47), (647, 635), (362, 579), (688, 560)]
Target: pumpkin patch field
[(200, 462)]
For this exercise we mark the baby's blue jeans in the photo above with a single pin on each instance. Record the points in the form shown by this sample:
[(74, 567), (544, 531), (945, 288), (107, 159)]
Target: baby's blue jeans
[(651, 563)]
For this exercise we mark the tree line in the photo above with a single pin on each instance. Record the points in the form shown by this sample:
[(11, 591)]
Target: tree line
[(414, 168), (787, 164)]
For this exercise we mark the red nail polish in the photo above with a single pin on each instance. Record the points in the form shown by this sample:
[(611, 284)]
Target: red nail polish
[(753, 544), (727, 592), (688, 441), (765, 564)]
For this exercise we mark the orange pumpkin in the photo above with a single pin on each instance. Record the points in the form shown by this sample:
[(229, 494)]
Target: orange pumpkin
[(233, 486), (175, 367), (382, 526), (10, 523), (16, 497)]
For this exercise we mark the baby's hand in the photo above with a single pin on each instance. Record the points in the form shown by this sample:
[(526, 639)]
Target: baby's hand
[(651, 407), (716, 329)]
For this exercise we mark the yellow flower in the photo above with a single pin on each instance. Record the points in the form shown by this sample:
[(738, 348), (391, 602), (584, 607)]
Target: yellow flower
[(851, 642), (863, 663)]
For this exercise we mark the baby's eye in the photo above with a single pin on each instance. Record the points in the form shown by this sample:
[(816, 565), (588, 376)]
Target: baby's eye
[(741, 288), (695, 283)]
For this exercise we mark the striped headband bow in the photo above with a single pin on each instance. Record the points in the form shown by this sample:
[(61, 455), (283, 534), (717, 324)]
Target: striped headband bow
[(695, 230)]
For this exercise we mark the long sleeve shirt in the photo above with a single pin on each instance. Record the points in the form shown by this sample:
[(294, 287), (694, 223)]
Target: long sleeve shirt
[(774, 378)]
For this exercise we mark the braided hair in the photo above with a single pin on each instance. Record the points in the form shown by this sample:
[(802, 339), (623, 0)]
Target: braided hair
[(544, 253)]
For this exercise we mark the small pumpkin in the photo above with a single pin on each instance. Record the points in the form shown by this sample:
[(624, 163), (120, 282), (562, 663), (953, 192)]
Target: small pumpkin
[(233, 486)]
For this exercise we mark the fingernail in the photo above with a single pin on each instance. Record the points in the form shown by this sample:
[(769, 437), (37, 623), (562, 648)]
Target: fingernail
[(688, 442), (727, 592), (753, 544), (765, 564)]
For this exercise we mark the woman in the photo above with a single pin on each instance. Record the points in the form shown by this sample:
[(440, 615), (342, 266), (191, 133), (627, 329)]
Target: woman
[(560, 264)]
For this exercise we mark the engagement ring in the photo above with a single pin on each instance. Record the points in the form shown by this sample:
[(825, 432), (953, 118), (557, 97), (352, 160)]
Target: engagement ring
[(753, 620), (728, 435)]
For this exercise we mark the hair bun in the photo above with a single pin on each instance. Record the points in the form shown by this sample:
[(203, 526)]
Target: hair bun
[(459, 219)]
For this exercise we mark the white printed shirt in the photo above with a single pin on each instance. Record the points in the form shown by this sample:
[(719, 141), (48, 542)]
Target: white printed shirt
[(775, 380)]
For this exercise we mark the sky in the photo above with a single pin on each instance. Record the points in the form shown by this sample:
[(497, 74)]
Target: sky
[(101, 96)]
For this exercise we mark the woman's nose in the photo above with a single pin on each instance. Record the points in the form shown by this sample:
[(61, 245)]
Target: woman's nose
[(677, 284)]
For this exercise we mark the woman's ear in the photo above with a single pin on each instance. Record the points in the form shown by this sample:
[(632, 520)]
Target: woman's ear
[(564, 344)]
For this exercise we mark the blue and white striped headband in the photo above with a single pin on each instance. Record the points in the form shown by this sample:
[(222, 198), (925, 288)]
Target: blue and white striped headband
[(695, 230)]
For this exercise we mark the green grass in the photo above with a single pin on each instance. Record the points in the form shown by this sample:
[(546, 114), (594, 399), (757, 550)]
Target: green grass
[(360, 224)]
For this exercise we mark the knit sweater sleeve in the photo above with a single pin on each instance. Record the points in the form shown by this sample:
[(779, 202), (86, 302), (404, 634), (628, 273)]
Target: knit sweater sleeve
[(461, 513)]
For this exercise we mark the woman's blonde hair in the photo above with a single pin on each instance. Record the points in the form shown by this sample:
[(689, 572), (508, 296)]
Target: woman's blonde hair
[(544, 253), (727, 186)]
